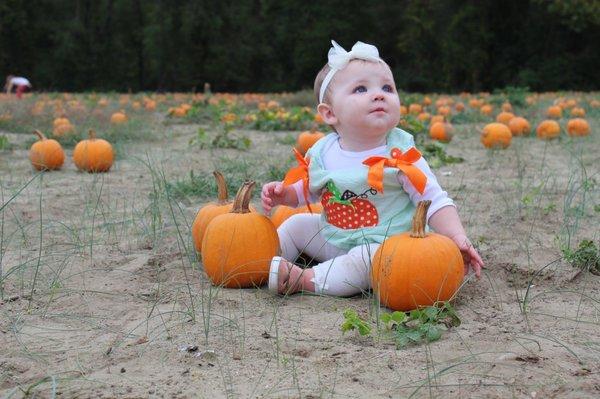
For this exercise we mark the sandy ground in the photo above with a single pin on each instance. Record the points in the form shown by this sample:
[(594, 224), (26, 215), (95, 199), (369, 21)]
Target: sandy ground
[(121, 309)]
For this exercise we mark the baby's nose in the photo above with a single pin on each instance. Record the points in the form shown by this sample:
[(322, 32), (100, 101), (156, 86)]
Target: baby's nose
[(378, 96)]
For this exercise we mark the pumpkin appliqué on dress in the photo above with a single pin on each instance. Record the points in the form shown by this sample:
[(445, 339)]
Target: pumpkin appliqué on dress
[(349, 210)]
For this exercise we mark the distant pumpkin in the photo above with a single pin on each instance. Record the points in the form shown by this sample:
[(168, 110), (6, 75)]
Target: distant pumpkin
[(578, 127), (519, 126), (46, 154), (93, 155), (496, 135), (578, 112), (554, 112), (486, 109), (307, 139), (118, 118), (504, 117), (415, 108), (548, 129), (441, 131)]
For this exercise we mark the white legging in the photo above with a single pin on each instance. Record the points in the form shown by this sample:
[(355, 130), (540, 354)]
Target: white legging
[(341, 272)]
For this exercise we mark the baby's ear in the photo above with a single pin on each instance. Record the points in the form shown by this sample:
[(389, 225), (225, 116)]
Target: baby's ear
[(327, 113)]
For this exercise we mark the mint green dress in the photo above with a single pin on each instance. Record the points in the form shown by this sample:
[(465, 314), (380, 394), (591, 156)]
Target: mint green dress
[(353, 213)]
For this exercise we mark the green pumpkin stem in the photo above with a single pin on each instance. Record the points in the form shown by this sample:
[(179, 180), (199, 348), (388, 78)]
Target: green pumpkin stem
[(222, 196), (40, 135), (420, 220), (241, 203)]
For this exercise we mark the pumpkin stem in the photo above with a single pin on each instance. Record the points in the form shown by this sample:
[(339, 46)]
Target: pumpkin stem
[(242, 198), (92, 134), (222, 195), (39, 134), (420, 220)]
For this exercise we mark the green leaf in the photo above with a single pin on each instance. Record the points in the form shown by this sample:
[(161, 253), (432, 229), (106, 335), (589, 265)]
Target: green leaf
[(413, 335), (433, 333), (398, 317), (430, 312)]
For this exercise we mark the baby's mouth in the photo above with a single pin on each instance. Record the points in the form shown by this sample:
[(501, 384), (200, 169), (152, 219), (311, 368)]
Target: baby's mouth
[(378, 110)]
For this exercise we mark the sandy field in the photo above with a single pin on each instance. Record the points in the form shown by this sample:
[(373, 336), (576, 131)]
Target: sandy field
[(102, 295)]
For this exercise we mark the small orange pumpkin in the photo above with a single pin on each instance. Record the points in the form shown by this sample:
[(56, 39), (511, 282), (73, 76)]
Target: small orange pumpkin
[(118, 117), (208, 212), (282, 212), (548, 129), (441, 131), (578, 127), (496, 135), (307, 139), (519, 126), (436, 118), (506, 107), (93, 154), (415, 108), (554, 112), (459, 107), (416, 269), (424, 116), (46, 154), (486, 109), (578, 112), (504, 117), (238, 246)]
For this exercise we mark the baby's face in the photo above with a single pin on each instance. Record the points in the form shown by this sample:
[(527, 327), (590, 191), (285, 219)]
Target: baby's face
[(364, 99)]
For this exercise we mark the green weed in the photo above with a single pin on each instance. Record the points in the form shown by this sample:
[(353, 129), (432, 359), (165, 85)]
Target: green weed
[(404, 328)]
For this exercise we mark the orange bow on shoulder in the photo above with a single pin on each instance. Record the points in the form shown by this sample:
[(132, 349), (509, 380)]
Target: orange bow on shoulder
[(299, 172), (402, 161)]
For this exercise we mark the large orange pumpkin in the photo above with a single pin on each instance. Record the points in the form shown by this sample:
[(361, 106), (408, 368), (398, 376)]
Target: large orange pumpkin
[(578, 127), (282, 212), (416, 269), (519, 126), (237, 247), (441, 131), (496, 135), (308, 139), (208, 212), (548, 129), (46, 154), (93, 155)]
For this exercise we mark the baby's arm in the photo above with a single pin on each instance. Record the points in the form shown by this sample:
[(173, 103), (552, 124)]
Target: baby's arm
[(275, 193), (447, 222), (442, 215)]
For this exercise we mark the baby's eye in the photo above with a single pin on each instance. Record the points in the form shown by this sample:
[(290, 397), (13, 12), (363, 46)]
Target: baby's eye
[(359, 89), (388, 88)]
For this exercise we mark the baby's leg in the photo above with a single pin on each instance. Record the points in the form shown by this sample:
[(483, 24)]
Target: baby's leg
[(347, 274), (301, 233)]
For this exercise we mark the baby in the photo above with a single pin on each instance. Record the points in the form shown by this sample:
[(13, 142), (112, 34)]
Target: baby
[(365, 197)]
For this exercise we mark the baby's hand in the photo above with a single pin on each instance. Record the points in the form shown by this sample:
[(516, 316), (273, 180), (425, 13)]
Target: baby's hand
[(272, 194), (469, 253)]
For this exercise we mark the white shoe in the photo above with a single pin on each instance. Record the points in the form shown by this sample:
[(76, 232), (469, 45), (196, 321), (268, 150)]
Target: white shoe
[(274, 274)]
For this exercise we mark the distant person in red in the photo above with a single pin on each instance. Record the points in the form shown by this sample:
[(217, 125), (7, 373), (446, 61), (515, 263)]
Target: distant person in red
[(19, 84)]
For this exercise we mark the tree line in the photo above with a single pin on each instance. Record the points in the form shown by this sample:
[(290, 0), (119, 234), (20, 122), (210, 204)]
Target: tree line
[(279, 45)]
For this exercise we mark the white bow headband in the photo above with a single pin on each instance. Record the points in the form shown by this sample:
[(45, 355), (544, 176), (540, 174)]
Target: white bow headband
[(339, 58)]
